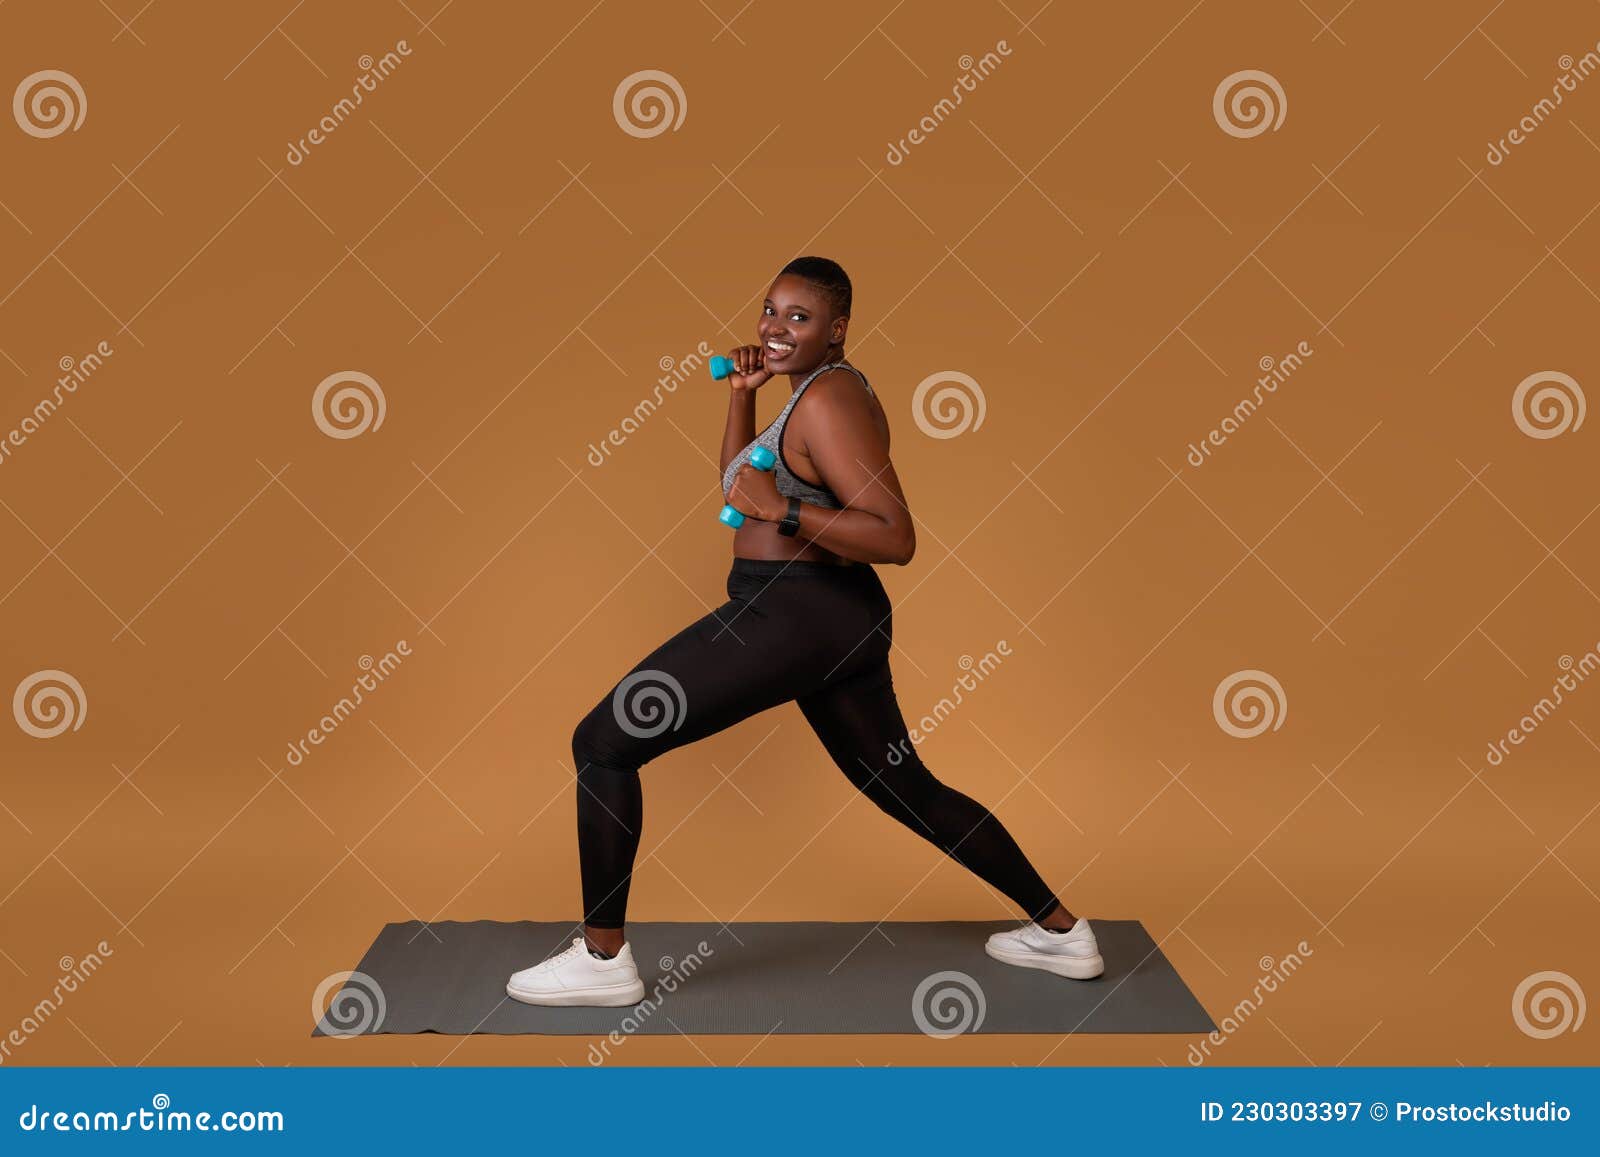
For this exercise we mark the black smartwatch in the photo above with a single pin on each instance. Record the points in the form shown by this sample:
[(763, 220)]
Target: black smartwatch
[(790, 525)]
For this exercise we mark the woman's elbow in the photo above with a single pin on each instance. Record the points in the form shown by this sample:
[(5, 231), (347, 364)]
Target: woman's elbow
[(903, 545)]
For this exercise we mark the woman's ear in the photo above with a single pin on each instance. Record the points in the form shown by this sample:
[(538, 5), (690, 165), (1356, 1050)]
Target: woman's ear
[(840, 324)]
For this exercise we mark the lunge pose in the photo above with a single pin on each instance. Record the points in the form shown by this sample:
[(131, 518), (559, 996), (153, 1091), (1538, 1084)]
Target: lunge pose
[(807, 620)]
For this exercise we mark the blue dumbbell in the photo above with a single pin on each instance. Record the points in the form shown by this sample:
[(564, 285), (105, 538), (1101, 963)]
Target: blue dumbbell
[(762, 459), (721, 368)]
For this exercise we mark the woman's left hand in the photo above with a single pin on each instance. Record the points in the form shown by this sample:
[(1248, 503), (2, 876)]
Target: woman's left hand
[(754, 493)]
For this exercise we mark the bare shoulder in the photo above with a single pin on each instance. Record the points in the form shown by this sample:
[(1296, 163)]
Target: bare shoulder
[(836, 404), (840, 390)]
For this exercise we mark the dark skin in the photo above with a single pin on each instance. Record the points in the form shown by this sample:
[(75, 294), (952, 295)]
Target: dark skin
[(838, 437)]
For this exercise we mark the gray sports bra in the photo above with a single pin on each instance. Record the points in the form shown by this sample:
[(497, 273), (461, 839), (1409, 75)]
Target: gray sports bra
[(789, 485)]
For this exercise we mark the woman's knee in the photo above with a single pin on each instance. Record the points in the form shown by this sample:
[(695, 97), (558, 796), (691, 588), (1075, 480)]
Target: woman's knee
[(605, 738), (607, 780), (599, 740)]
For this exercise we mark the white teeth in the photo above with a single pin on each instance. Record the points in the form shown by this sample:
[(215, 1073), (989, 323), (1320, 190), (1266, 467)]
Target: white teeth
[(779, 347)]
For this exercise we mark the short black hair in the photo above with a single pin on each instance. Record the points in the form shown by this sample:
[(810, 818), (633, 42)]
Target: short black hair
[(828, 276)]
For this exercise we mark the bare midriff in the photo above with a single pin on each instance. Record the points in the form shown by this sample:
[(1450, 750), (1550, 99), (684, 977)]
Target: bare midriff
[(761, 540)]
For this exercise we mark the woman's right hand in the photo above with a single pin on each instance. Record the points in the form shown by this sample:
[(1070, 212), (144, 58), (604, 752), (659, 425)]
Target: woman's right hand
[(749, 373)]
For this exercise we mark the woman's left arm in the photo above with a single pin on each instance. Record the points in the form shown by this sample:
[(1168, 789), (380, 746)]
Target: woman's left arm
[(838, 434)]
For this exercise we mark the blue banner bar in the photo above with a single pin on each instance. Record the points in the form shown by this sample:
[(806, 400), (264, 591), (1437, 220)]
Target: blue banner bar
[(763, 1110)]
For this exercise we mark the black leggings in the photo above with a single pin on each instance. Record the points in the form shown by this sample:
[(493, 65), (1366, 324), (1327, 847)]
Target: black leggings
[(812, 632)]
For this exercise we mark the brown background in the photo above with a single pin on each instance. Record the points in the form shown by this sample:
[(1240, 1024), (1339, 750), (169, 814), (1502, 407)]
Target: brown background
[(1080, 236)]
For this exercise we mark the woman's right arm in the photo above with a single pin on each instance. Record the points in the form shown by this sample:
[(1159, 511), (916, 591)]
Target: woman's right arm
[(747, 377)]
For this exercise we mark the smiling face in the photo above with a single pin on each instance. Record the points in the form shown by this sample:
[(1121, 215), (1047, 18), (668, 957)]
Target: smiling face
[(798, 329)]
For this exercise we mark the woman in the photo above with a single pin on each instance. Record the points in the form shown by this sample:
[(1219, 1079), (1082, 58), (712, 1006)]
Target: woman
[(806, 619)]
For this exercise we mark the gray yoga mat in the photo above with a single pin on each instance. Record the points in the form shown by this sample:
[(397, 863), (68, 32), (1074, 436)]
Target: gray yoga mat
[(758, 978)]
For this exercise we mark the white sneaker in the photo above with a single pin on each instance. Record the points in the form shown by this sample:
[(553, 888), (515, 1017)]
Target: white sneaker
[(1072, 953), (575, 977)]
